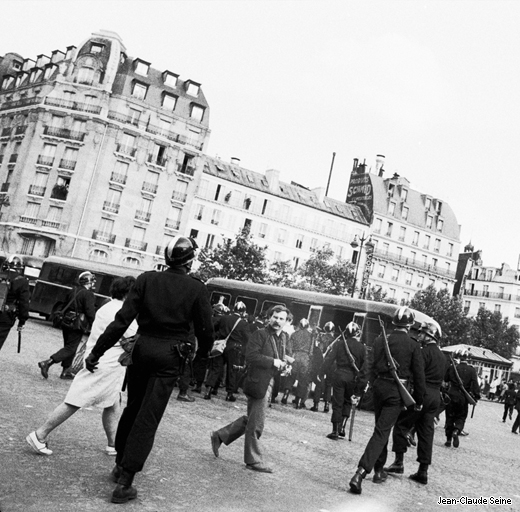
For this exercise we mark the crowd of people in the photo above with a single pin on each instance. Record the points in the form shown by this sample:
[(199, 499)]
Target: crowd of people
[(178, 338)]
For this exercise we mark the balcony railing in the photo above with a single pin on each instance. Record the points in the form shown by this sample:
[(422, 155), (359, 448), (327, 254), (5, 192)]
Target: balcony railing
[(64, 133), (111, 207), (149, 187), (4, 187), (118, 178), (70, 165), (13, 158), (491, 295), (172, 224), (411, 262), (142, 215), (125, 118), (103, 237), (188, 169), (51, 224), (28, 220), (20, 103), (37, 190), (159, 161), (179, 196), (135, 244), (126, 150), (45, 160), (73, 105)]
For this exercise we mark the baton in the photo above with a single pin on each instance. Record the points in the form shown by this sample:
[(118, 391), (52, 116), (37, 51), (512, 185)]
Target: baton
[(19, 341), (352, 417), (473, 410)]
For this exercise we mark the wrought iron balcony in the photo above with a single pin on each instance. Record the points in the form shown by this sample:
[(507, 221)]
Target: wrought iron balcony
[(64, 133), (186, 169), (118, 178), (149, 187), (135, 244), (491, 295), (73, 105), (37, 190), (159, 161), (103, 237), (20, 103), (126, 150), (70, 165), (142, 215), (45, 160), (111, 207), (179, 196), (28, 220), (172, 224)]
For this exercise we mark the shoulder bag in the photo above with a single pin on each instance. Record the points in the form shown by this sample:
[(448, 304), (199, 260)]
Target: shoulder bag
[(220, 345)]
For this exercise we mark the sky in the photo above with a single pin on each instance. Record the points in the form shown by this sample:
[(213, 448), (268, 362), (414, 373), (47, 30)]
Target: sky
[(434, 86)]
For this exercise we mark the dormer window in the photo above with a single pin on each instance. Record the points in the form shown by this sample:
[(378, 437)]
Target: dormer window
[(391, 208), (141, 67), (197, 112), (438, 207), (7, 82), (48, 72), (404, 213), (170, 79), (169, 102), (192, 88), (440, 225), (139, 91), (18, 80), (429, 221), (404, 194), (427, 203), (391, 188), (96, 48), (17, 65)]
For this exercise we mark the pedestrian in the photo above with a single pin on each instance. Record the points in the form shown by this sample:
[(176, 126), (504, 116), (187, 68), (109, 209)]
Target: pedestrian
[(80, 303), (457, 409), (387, 399), (509, 401), (494, 389), (343, 361), (165, 304), (14, 297), (516, 424), (102, 388), (422, 422), (323, 385), (265, 357)]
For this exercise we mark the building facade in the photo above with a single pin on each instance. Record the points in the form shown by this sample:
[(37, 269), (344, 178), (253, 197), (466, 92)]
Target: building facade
[(99, 153)]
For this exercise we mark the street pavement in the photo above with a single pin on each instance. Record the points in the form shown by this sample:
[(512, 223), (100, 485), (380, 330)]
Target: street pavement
[(182, 474)]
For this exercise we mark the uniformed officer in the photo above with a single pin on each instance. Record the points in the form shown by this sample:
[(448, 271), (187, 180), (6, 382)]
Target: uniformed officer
[(323, 387), (343, 376), (422, 421), (387, 400), (16, 301), (457, 409), (164, 304)]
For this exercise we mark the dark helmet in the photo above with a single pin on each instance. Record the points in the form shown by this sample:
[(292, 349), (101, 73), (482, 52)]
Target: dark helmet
[(180, 251), (404, 317), (14, 262), (86, 278), (431, 330), (240, 307), (220, 309), (329, 327), (303, 323), (353, 329)]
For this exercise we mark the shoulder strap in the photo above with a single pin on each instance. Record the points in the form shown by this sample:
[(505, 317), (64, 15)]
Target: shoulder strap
[(233, 328), (70, 302)]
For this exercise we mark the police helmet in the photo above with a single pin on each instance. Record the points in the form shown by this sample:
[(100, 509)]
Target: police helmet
[(14, 262), (220, 309), (240, 307), (404, 317), (180, 251), (303, 323), (353, 329), (329, 327), (431, 330), (86, 278)]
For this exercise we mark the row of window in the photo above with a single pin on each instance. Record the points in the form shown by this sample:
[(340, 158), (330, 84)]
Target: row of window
[(397, 274), (405, 210), (28, 77)]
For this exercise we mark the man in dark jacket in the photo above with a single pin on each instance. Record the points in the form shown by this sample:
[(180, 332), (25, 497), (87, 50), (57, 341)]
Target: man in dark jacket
[(16, 300), (83, 303), (387, 400), (265, 355), (165, 305)]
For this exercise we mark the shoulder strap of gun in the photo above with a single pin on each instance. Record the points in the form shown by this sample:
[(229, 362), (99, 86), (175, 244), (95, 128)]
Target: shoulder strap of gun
[(349, 353)]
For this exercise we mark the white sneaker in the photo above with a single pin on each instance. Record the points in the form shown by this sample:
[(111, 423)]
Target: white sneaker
[(36, 445), (110, 450)]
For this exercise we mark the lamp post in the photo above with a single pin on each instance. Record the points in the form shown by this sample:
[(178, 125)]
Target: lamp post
[(355, 244)]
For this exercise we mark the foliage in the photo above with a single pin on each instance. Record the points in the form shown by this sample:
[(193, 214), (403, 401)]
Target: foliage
[(447, 310), (377, 294), (240, 259), (490, 330)]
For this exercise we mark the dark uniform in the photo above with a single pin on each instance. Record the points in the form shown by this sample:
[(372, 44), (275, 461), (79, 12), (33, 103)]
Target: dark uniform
[(165, 304), (16, 306), (301, 343), (516, 424), (457, 409), (323, 389), (343, 379)]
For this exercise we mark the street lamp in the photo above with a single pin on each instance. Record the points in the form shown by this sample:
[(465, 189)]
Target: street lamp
[(355, 244)]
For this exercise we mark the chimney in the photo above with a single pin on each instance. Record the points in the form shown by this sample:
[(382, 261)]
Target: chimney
[(380, 162), (235, 160), (355, 165), (320, 193), (273, 179)]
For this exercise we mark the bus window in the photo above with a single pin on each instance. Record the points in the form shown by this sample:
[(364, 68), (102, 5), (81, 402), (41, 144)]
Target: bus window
[(249, 302), (359, 318), (371, 330), (315, 315), (63, 275), (268, 305), (342, 318), (220, 298), (299, 311)]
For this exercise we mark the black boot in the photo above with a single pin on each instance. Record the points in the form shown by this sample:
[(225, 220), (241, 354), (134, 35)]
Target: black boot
[(334, 434), (124, 490), (302, 405), (380, 475), (422, 475), (208, 394), (314, 408), (357, 479), (197, 389), (397, 467), (230, 397), (44, 367), (116, 473), (342, 427), (455, 438), (326, 408), (283, 401)]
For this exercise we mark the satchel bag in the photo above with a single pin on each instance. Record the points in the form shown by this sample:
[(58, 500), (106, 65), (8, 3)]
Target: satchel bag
[(127, 344), (58, 316), (220, 345)]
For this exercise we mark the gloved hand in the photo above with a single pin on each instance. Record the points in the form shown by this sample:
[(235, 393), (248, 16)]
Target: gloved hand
[(91, 362), (354, 399)]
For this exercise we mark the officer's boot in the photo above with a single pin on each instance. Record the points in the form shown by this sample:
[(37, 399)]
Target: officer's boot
[(380, 475), (397, 467), (422, 475), (357, 479), (44, 367), (456, 438), (302, 405), (285, 396), (326, 408), (342, 427), (334, 434), (314, 408), (124, 490), (208, 394)]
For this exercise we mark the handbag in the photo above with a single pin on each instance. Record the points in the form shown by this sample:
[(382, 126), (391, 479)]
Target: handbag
[(220, 345), (127, 344)]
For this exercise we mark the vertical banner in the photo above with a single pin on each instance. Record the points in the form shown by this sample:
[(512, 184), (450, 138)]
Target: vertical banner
[(369, 251), (360, 192)]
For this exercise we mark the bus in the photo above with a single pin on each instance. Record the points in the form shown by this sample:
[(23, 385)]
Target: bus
[(32, 267), (59, 274), (317, 308)]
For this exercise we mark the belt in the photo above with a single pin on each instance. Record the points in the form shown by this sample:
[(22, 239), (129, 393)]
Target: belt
[(404, 381)]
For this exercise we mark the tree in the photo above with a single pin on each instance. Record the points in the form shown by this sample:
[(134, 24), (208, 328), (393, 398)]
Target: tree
[(281, 273), (377, 294), (447, 310), (240, 259), (490, 330)]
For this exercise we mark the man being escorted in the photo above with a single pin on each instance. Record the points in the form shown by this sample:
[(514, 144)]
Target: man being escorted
[(349, 355), (457, 409), (423, 420), (265, 355), (387, 398), (164, 304)]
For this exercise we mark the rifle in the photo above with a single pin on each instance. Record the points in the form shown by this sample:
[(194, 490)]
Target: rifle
[(469, 398), (405, 395), (19, 341), (349, 353)]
